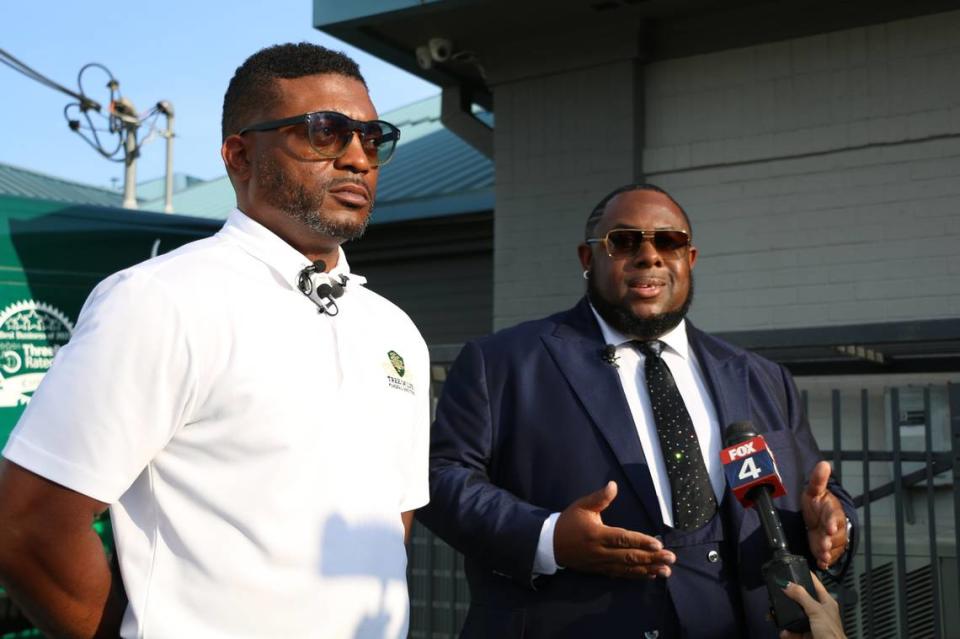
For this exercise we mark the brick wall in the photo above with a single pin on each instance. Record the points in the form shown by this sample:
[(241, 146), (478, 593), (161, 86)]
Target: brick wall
[(821, 174), (562, 141)]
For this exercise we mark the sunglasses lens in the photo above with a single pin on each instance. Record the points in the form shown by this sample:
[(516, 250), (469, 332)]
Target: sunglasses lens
[(626, 242), (379, 141), (669, 240), (329, 133)]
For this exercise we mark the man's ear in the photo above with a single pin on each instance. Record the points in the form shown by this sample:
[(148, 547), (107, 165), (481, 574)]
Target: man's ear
[(236, 157), (585, 255)]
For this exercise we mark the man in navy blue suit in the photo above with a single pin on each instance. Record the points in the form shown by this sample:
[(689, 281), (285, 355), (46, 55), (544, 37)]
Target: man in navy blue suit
[(575, 459)]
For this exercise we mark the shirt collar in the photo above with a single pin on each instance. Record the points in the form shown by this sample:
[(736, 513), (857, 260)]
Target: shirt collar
[(675, 339), (266, 246)]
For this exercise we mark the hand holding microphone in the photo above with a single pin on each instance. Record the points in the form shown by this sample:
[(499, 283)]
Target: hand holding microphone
[(752, 474), (824, 613)]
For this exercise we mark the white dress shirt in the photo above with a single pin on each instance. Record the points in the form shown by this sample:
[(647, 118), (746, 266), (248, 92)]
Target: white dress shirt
[(685, 368)]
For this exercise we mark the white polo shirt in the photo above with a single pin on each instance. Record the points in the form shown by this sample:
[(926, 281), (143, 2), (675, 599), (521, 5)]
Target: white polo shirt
[(256, 454)]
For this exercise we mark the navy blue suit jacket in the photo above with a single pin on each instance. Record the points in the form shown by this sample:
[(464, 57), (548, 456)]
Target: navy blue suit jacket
[(531, 419)]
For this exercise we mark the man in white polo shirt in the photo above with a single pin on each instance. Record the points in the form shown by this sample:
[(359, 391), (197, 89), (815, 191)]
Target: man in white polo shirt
[(256, 419)]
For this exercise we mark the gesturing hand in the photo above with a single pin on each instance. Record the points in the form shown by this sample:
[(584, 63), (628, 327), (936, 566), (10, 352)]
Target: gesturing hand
[(582, 542), (824, 518)]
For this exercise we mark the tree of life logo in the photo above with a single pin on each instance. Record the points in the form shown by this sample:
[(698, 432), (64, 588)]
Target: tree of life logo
[(31, 333)]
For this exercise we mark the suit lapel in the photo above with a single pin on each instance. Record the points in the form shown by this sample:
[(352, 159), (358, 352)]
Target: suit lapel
[(576, 348), (727, 379)]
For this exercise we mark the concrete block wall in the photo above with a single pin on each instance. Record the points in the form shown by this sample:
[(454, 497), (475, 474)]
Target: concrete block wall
[(562, 141), (822, 174)]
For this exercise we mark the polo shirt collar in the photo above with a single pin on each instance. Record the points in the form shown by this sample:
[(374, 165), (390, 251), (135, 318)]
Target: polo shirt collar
[(266, 246), (675, 339)]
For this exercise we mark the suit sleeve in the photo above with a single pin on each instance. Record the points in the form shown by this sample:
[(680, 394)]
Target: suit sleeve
[(811, 455), (466, 509)]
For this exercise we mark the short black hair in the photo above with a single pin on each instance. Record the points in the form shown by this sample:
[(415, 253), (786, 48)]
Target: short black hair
[(252, 86), (594, 218)]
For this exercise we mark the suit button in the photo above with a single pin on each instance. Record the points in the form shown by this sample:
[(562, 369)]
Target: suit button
[(713, 556)]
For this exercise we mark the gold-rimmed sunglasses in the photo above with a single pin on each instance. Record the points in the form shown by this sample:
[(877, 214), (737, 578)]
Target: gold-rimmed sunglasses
[(621, 243)]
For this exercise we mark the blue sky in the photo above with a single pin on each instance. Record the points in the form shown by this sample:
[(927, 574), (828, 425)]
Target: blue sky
[(180, 51)]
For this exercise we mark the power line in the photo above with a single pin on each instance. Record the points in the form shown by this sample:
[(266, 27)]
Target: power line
[(121, 118), (21, 67)]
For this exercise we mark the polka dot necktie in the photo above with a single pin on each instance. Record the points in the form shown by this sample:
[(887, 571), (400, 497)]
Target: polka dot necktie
[(692, 495)]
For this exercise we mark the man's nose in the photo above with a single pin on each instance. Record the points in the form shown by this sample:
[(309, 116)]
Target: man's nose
[(647, 254)]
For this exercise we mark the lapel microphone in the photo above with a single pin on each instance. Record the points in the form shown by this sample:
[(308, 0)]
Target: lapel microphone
[(326, 292), (609, 355)]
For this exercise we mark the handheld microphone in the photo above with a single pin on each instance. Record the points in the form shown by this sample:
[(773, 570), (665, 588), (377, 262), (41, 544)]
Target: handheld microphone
[(325, 293), (752, 475)]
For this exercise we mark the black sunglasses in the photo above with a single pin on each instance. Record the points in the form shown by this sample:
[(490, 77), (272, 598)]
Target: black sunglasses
[(621, 243), (330, 133)]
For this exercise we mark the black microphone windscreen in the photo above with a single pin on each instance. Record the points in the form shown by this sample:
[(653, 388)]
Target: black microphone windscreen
[(739, 432), (324, 290), (320, 266), (337, 289)]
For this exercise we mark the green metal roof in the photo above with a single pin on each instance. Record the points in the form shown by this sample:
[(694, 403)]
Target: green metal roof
[(156, 188), (31, 184), (213, 199), (434, 173)]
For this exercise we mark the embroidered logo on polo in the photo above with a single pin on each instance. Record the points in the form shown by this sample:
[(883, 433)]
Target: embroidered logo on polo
[(397, 362), (396, 372), (31, 333)]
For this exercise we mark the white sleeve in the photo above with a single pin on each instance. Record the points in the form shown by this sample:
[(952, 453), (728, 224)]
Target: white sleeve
[(416, 466), (114, 395), (544, 562)]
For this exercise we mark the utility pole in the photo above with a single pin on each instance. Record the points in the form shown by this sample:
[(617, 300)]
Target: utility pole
[(164, 107), (124, 111)]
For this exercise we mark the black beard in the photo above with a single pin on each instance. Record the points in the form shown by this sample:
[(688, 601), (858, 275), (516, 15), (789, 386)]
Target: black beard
[(623, 319), (306, 207)]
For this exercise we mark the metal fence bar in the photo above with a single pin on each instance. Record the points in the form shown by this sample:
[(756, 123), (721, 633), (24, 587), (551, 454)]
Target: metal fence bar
[(867, 521), (940, 465), (428, 586), (837, 471), (931, 516), (942, 458), (898, 512), (953, 393), (837, 448)]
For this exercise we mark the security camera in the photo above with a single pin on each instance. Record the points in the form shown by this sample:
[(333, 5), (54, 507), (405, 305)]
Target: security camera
[(424, 59), (440, 49)]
